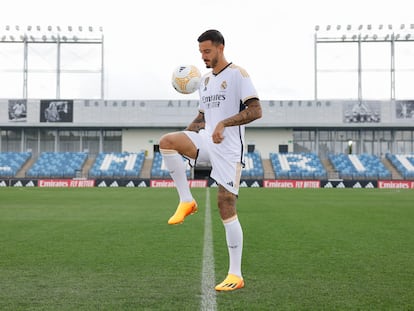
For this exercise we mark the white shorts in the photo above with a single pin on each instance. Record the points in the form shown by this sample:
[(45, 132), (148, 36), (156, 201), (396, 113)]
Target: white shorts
[(224, 171)]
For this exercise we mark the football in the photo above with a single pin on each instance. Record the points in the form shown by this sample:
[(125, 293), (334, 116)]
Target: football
[(186, 79)]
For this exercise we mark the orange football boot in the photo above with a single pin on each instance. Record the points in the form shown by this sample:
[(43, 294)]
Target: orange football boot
[(183, 210)]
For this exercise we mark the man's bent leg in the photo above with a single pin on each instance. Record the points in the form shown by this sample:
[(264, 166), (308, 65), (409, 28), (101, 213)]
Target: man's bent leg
[(177, 169), (176, 166)]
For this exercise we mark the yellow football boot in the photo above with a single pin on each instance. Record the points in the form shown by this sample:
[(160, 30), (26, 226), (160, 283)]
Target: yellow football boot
[(232, 282)]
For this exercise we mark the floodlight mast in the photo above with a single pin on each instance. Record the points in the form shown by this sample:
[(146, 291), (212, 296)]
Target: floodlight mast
[(359, 35), (54, 35)]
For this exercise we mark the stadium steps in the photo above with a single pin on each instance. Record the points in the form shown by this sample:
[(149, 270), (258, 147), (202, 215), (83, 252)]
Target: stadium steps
[(146, 169), (26, 167), (268, 169), (394, 173), (88, 165), (332, 173)]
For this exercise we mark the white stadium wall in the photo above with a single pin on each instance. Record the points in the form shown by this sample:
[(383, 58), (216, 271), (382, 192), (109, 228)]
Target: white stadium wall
[(269, 140), (135, 140), (178, 113), (143, 122)]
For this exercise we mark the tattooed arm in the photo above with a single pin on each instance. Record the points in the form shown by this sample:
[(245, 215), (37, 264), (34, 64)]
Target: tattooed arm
[(251, 113), (197, 124)]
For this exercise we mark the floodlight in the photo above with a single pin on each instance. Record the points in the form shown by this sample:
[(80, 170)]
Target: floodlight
[(12, 38), (17, 27), (380, 26), (407, 36), (338, 27), (80, 28), (49, 28), (44, 38), (29, 28), (360, 27), (348, 27), (3, 38), (350, 143), (328, 27), (369, 27), (375, 37), (32, 38), (90, 28), (389, 26), (101, 28), (343, 37), (38, 28), (402, 26), (70, 28), (354, 37), (7, 27), (317, 28)]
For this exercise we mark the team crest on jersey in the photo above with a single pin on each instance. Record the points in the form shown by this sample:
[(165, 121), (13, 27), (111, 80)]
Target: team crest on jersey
[(206, 80), (223, 85)]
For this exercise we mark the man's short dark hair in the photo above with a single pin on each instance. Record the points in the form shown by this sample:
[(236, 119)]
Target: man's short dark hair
[(214, 35)]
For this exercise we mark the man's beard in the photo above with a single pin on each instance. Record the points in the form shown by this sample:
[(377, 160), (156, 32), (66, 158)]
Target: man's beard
[(213, 63)]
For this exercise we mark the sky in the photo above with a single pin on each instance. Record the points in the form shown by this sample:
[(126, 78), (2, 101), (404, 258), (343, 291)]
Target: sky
[(145, 40)]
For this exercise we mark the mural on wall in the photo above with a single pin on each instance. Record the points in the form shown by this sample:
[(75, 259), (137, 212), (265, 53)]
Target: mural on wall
[(17, 110), (404, 110), (56, 111), (362, 112)]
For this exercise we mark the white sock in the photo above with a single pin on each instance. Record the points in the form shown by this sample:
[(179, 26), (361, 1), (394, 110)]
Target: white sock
[(177, 168), (234, 238)]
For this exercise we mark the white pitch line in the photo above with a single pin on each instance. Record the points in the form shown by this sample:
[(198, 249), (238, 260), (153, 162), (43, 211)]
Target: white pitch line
[(208, 293)]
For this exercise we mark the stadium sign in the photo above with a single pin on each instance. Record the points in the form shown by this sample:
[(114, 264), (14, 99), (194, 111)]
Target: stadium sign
[(66, 183), (395, 184), (272, 183), (169, 183), (355, 184), (126, 182)]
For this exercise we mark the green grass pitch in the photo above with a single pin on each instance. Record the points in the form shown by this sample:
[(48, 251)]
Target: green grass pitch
[(111, 249)]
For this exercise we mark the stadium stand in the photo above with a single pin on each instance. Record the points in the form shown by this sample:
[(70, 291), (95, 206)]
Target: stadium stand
[(12, 162), (58, 164), (253, 166), (404, 163), (118, 164), (297, 166), (366, 166), (158, 169)]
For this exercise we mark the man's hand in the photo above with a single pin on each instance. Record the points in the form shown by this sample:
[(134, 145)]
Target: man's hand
[(218, 133)]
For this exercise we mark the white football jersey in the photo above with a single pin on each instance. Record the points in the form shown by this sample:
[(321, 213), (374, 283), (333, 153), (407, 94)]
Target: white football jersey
[(222, 96)]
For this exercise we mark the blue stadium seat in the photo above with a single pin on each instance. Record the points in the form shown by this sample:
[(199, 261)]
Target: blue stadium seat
[(297, 166), (117, 164), (253, 166), (363, 166), (57, 164), (12, 162), (158, 169), (403, 163)]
